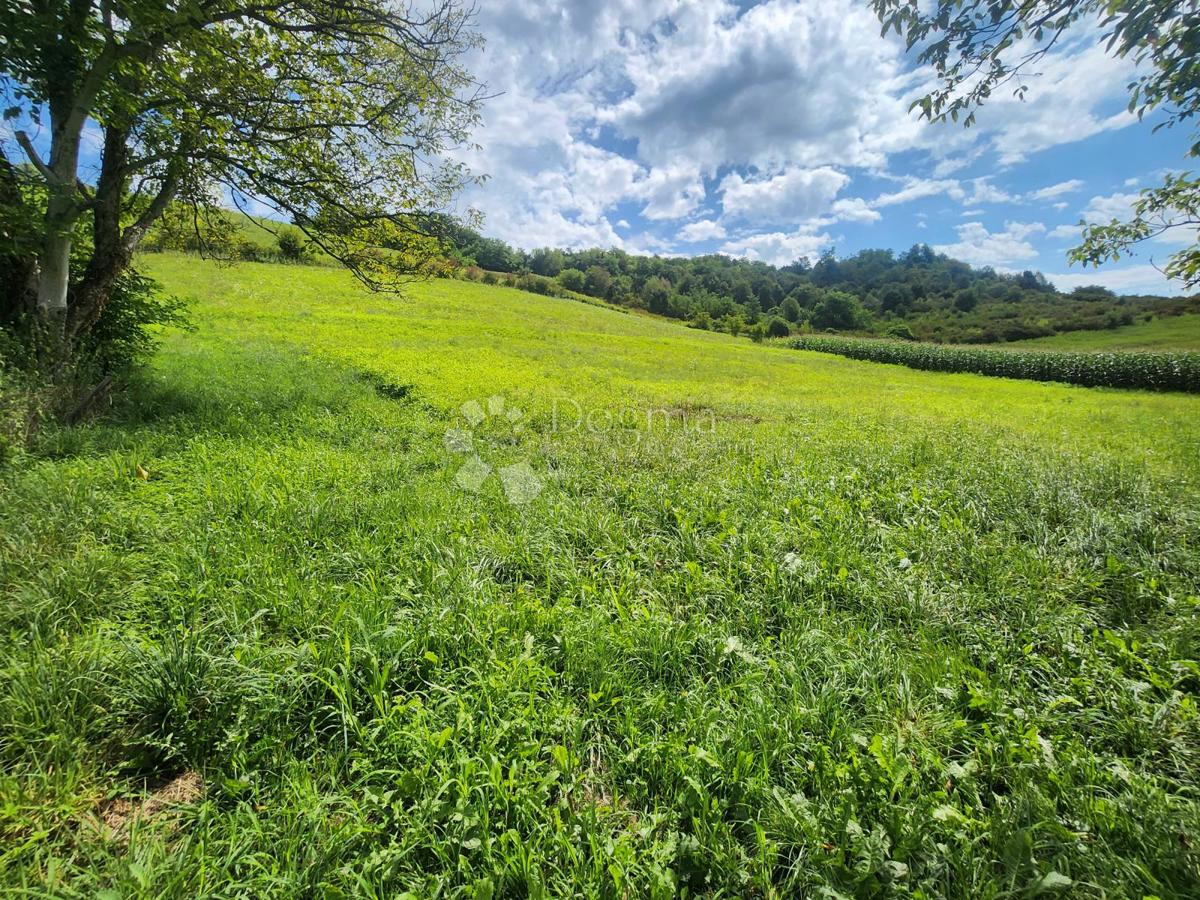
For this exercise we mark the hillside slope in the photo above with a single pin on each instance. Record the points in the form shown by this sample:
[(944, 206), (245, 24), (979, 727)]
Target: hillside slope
[(1169, 333), (475, 593)]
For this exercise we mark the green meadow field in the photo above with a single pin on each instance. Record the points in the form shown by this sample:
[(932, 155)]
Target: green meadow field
[(1166, 333), (475, 593)]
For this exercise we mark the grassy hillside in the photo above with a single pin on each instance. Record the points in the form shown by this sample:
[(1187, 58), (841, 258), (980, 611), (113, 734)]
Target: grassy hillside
[(658, 612), (1170, 333)]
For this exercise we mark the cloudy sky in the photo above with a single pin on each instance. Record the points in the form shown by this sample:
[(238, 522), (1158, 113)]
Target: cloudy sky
[(775, 130)]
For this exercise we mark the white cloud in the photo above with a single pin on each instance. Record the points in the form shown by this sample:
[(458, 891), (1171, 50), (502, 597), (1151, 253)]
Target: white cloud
[(1067, 232), (791, 196), (983, 248), (983, 191), (642, 104), (1138, 279), (778, 248), (1102, 210), (672, 192), (1055, 190), (703, 230), (854, 209), (784, 83), (919, 188), (1079, 91)]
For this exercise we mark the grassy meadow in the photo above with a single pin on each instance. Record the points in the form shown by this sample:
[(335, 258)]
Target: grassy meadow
[(474, 593), (1165, 333)]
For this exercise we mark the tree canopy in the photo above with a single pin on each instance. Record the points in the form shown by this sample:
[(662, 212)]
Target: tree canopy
[(917, 293), (336, 113)]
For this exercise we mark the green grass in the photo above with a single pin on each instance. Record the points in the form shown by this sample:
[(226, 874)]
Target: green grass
[(1169, 333), (813, 626)]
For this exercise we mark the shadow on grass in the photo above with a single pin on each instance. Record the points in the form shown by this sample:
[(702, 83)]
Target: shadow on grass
[(253, 391)]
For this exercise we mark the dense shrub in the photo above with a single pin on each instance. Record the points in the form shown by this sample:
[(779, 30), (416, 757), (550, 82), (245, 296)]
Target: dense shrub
[(572, 280), (777, 327), (291, 247), (1158, 371)]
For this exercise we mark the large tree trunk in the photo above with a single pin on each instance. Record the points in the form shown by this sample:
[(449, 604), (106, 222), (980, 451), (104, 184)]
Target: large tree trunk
[(109, 256), (113, 246), (62, 212), (54, 274)]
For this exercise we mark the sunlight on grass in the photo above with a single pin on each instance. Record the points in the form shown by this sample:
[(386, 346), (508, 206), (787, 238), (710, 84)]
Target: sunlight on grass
[(771, 621)]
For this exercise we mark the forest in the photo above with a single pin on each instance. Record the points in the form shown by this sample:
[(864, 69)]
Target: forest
[(918, 294)]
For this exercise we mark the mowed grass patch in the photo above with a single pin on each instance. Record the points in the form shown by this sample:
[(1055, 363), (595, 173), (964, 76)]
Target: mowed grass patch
[(788, 626)]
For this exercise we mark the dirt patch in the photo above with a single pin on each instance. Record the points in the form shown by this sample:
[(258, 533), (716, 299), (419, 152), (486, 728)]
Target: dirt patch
[(115, 819)]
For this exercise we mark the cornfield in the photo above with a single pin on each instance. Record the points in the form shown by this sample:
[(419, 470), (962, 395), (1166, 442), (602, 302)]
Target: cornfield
[(1151, 371)]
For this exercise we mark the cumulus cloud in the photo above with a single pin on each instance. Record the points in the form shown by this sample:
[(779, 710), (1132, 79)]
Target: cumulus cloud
[(1102, 210), (703, 230), (782, 83), (854, 209), (919, 188), (752, 117), (1065, 232), (1079, 91), (671, 192), (983, 191), (981, 247), (778, 248), (791, 196)]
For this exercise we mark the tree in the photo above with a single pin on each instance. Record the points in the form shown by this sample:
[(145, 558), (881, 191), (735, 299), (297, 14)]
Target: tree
[(790, 309), (742, 292), (777, 327), (896, 298), (495, 254), (657, 294), (546, 261), (597, 281), (840, 311), (979, 46), (334, 112)]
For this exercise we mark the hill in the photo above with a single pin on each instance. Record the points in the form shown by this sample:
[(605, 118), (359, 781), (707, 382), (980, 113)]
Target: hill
[(477, 593), (917, 294)]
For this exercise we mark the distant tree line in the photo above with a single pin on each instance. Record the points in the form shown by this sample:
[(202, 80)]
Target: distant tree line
[(918, 294)]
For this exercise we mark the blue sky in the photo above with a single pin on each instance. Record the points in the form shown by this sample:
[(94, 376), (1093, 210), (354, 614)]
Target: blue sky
[(774, 130)]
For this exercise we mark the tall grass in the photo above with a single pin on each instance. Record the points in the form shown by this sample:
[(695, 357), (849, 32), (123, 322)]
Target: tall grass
[(856, 638)]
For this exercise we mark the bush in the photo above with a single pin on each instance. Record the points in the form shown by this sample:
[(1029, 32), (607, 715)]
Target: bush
[(1158, 371), (36, 385), (572, 280), (248, 251), (777, 328), (291, 247)]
